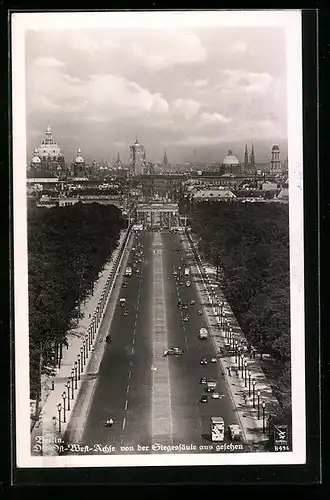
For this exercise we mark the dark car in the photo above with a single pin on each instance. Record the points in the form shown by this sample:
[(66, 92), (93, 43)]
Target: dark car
[(185, 318), (125, 313), (203, 361), (204, 399), (203, 380)]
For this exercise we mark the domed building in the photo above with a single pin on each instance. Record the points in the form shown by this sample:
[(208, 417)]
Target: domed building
[(79, 165), (48, 159), (231, 164)]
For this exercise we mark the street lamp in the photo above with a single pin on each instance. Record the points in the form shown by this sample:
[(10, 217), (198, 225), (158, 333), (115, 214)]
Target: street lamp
[(253, 393), (249, 383), (59, 409), (72, 377), (236, 349), (68, 388), (242, 364), (64, 409), (245, 373), (263, 417), (258, 396), (82, 358), (87, 346)]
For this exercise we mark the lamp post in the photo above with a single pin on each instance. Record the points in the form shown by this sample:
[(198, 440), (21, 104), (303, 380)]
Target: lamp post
[(72, 377), (249, 383), (84, 351), (258, 396), (76, 372), (59, 409), (236, 349), (263, 417), (68, 388), (242, 364), (81, 359), (245, 373), (64, 409), (253, 393), (87, 346)]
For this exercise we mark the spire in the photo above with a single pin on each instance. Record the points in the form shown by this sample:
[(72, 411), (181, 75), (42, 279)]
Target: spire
[(246, 157), (252, 158), (165, 160)]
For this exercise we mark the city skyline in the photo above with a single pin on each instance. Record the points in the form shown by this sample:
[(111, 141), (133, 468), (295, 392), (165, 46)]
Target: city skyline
[(195, 92)]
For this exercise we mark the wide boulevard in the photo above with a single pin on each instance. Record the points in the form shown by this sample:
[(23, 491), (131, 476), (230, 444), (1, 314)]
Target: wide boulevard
[(152, 398)]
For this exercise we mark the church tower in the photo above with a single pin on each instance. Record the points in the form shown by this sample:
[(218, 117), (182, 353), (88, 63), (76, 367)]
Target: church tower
[(165, 160), (252, 159), (246, 159)]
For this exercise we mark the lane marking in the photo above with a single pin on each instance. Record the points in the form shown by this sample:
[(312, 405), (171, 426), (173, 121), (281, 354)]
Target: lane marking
[(132, 350), (133, 341), (124, 423), (126, 404), (127, 390)]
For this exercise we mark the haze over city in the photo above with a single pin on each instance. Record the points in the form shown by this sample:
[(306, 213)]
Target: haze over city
[(196, 92)]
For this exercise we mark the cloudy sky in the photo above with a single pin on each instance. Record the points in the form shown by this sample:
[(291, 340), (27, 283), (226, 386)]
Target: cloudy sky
[(195, 91)]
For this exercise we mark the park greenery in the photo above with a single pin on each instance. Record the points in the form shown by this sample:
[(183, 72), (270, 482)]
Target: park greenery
[(67, 249), (249, 243)]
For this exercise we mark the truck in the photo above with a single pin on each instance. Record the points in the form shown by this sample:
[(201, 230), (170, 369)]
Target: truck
[(186, 271), (203, 333), (122, 302), (234, 432), (128, 271), (211, 385), (217, 429)]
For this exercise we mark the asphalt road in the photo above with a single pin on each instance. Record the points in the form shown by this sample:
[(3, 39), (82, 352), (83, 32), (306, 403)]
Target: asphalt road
[(153, 399)]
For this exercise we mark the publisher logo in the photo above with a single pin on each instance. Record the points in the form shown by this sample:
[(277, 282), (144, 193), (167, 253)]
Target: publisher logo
[(281, 434)]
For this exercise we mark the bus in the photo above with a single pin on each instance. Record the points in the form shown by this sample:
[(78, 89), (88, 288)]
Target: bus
[(217, 429)]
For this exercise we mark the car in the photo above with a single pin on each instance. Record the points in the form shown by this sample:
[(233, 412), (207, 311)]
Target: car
[(181, 282), (124, 284), (125, 313), (234, 432), (179, 268), (180, 303), (203, 380), (188, 283), (203, 361), (140, 260), (173, 351), (204, 399), (215, 395), (192, 302), (213, 360), (184, 306), (185, 318)]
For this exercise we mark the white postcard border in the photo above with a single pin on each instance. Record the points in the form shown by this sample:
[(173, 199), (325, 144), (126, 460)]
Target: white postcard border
[(291, 22)]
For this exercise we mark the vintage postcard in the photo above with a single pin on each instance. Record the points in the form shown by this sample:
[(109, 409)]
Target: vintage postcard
[(158, 238)]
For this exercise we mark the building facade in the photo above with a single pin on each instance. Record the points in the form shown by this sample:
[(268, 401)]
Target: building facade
[(48, 159), (137, 158), (275, 162)]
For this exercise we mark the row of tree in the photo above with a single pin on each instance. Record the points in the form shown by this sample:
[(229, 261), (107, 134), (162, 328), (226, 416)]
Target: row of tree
[(250, 243), (67, 248)]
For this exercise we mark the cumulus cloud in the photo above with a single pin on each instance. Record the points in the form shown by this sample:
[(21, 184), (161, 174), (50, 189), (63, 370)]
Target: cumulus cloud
[(83, 42), (212, 119), (168, 49), (104, 96), (187, 107), (48, 62), (238, 81)]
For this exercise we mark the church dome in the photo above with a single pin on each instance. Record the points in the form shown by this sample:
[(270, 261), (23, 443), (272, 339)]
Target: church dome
[(79, 158), (36, 158), (230, 159)]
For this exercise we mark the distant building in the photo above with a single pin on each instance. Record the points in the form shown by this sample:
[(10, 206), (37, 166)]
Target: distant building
[(231, 164), (269, 186), (79, 165), (275, 162), (137, 158), (48, 159), (211, 195)]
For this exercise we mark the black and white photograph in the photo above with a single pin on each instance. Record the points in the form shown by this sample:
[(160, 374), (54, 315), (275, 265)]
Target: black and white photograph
[(158, 238)]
